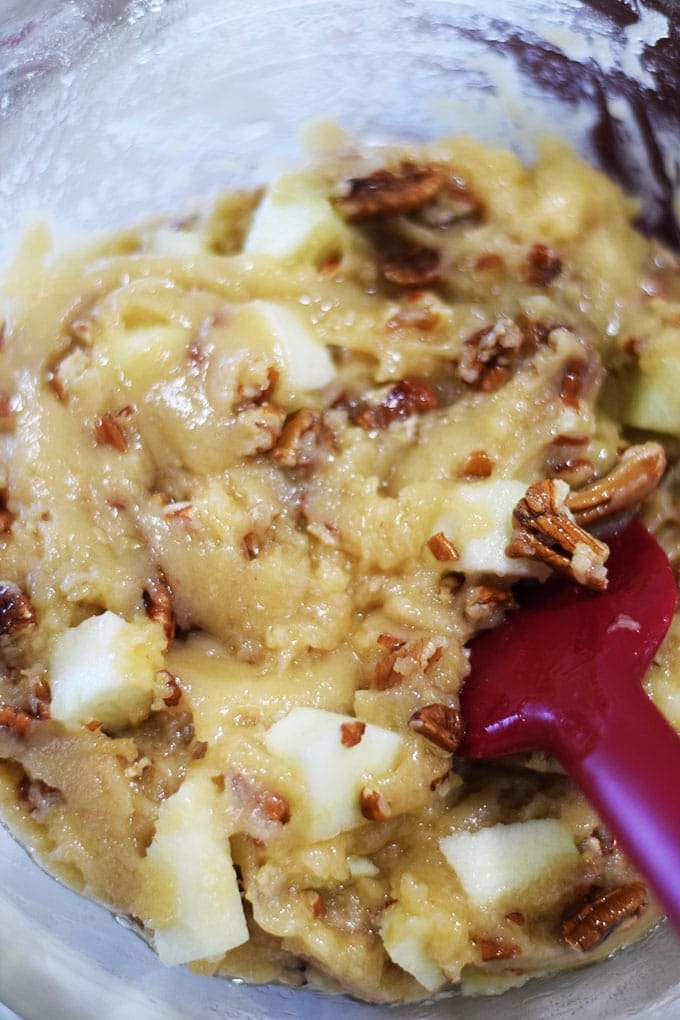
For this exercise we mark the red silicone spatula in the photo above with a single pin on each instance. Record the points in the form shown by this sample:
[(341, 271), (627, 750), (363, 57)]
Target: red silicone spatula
[(563, 674)]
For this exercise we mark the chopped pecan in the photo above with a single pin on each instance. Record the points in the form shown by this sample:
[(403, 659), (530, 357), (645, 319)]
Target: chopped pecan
[(108, 432), (275, 807), (585, 927), (535, 333), (351, 733), (180, 511), (373, 805), (497, 949), (405, 398), (478, 464), (410, 660), (391, 642), (420, 313), (6, 520), (35, 795), (544, 265), (387, 193), (304, 436), (485, 604), (515, 917), (261, 425), (442, 548), (545, 530), (490, 260), (455, 201), (633, 478), (487, 355), (158, 601), (317, 904), (574, 376), (414, 265), (172, 682), (440, 724), (39, 702), (15, 719), (16, 611), (251, 545)]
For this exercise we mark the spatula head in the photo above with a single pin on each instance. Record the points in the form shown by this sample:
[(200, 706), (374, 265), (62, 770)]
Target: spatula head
[(559, 660)]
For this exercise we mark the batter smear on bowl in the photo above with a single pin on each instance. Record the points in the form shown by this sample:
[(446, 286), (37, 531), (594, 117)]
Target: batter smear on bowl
[(264, 474)]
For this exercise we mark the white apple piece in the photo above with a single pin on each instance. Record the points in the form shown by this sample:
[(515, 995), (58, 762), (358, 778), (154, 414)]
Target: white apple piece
[(405, 938), (310, 741), (191, 847), (501, 860), (146, 353), (362, 867), (293, 222), (479, 523), (104, 670), (282, 332)]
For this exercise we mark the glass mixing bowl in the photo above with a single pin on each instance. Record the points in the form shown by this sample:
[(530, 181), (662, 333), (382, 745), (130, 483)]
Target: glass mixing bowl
[(112, 110)]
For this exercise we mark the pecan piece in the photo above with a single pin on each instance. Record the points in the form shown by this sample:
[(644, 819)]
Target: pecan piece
[(633, 478), (303, 437), (478, 464), (440, 724), (544, 265), (16, 611), (175, 695), (487, 354), (351, 733), (387, 193), (108, 432), (455, 201), (414, 265), (497, 949), (409, 660), (589, 924), (35, 795), (158, 602), (485, 604), (442, 548), (545, 530), (275, 807), (405, 398), (373, 805), (15, 719)]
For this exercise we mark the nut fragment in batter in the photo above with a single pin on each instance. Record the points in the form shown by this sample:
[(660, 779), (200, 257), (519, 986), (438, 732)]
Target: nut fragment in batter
[(545, 530), (414, 265), (158, 601), (632, 479), (405, 398), (588, 925), (373, 805), (441, 724), (304, 436), (408, 661), (487, 354), (387, 193), (16, 611)]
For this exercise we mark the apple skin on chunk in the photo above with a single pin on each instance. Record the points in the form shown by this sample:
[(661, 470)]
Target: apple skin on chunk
[(333, 772)]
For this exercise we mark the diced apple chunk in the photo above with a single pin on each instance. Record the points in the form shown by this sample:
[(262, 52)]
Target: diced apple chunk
[(653, 394), (190, 848), (282, 333), (502, 860), (104, 670), (146, 353), (362, 867), (293, 222), (479, 523), (333, 773), (405, 939)]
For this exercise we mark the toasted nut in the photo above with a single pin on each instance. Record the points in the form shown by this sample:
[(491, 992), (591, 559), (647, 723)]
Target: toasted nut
[(373, 805), (108, 432), (409, 661), (414, 265), (485, 604), (35, 795), (6, 521), (442, 548), (16, 611), (571, 387), (490, 261), (454, 202), (487, 355), (351, 733), (633, 478), (478, 464), (440, 724), (516, 917), (175, 688), (158, 601), (420, 314), (405, 398), (543, 264), (275, 807), (391, 642), (387, 193), (497, 949), (588, 925), (15, 719), (304, 437), (317, 904), (251, 545), (545, 530)]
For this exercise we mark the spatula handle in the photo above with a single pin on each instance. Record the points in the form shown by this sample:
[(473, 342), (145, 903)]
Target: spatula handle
[(630, 771)]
